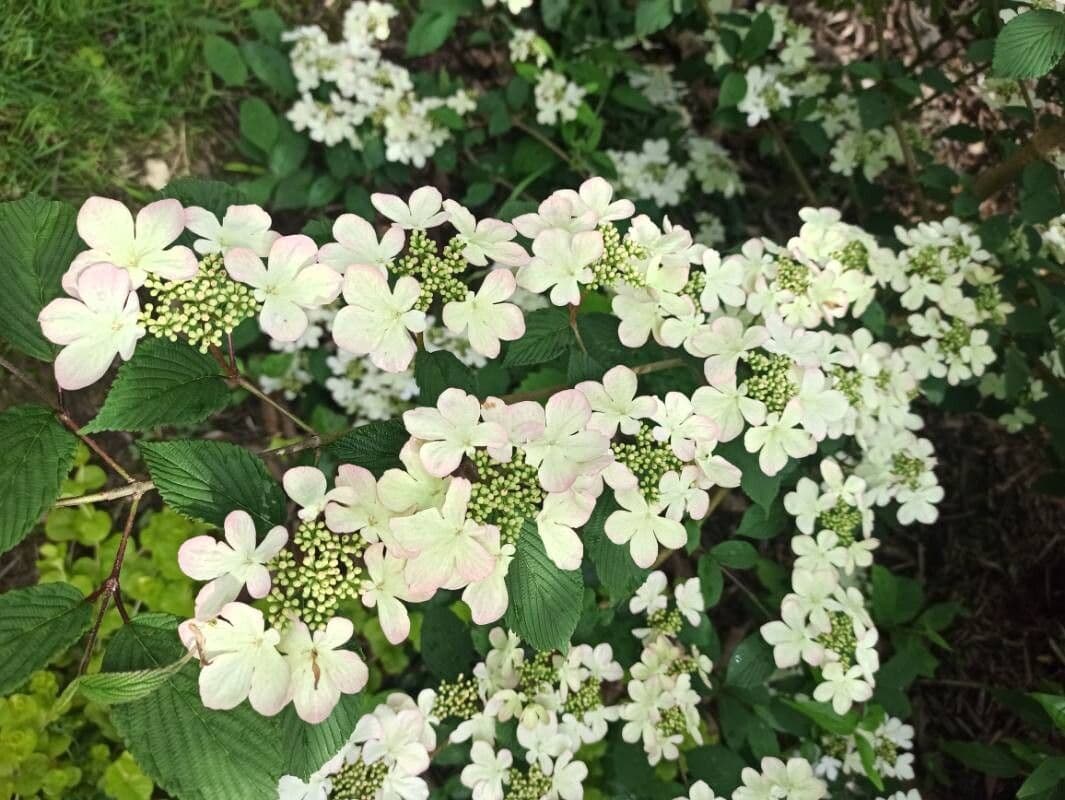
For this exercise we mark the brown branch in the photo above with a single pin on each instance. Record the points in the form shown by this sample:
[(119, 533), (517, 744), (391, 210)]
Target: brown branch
[(1042, 144)]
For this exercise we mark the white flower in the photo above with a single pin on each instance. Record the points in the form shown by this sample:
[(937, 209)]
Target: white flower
[(641, 527), (413, 488), (451, 430), (595, 195), (378, 321), (486, 239), (563, 261), (818, 407), (842, 687), (727, 406), (614, 402), (724, 282), (357, 243), (725, 340), (393, 736), (555, 523), (700, 791), (307, 488), (230, 565), (689, 599), (383, 588), (321, 669), (792, 638), (919, 504), (684, 429), (141, 247), (485, 315), (99, 322), (804, 504), (355, 505), (777, 440), (420, 212), (240, 660), (291, 283), (488, 597), (449, 547), (651, 596), (567, 778), (487, 772), (567, 448), (242, 226)]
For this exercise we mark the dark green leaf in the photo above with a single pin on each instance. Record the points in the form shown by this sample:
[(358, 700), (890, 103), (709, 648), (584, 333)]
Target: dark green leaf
[(733, 90), (547, 336), (439, 370), (36, 625), (735, 554), (307, 746), (545, 602), (825, 717), (224, 59), (258, 124), (1030, 44), (270, 66), (446, 645), (374, 446), (429, 31), (614, 566), (989, 759), (751, 663), (758, 38), (652, 16)]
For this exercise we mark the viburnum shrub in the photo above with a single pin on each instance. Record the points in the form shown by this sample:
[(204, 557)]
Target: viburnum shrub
[(537, 526)]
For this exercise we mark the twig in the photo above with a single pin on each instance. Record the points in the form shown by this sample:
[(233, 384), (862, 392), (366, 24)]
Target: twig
[(750, 595), (1043, 142), (137, 487), (251, 388), (66, 419), (111, 588), (793, 164), (577, 167)]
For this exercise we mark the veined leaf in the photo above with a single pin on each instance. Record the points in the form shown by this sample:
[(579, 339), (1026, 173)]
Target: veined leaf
[(37, 624), (545, 602)]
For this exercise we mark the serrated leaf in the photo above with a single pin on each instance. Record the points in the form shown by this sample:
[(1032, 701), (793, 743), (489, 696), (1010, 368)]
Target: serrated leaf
[(215, 196), (224, 59), (374, 446), (38, 240), (36, 453), (614, 566), (1030, 44), (115, 688), (206, 480), (192, 752), (547, 336), (446, 645), (751, 663), (545, 601), (36, 625), (307, 746), (434, 372), (165, 383)]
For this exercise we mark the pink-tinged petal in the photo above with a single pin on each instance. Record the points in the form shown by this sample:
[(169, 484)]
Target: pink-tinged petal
[(215, 595), (105, 224), (354, 232), (458, 407), (271, 684), (394, 352), (562, 545), (65, 320), (282, 319), (425, 201), (457, 315), (587, 246), (202, 222), (509, 322), (487, 599), (336, 633), (225, 682), (475, 562), (289, 254), (82, 364), (175, 264), (258, 581), (498, 286), (203, 558), (159, 224), (243, 265), (104, 288), (568, 410), (271, 544), (315, 286), (240, 531), (305, 485), (392, 242), (314, 698), (365, 286), (394, 620), (351, 334), (348, 671), (249, 217), (440, 458)]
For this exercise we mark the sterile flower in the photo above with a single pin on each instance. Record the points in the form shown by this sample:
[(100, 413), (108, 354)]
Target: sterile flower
[(449, 546), (402, 490), (100, 322), (561, 513), (487, 771), (242, 226), (641, 527), (651, 596), (142, 248), (378, 321), (393, 736), (488, 597), (596, 195), (689, 598), (383, 588), (422, 211), (230, 565), (722, 343), (486, 316), (484, 240), (567, 448), (843, 687), (777, 440), (321, 669), (728, 406), (451, 430), (306, 486), (355, 505), (288, 285), (700, 791), (614, 402), (357, 243), (724, 282), (240, 660), (792, 638), (563, 261), (567, 778)]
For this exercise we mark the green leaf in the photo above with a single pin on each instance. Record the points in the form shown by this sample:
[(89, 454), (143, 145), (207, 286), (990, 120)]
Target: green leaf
[(735, 554), (38, 240), (123, 780), (36, 625), (1029, 45), (115, 688), (374, 446), (614, 566), (652, 16), (1048, 775), (547, 336), (1054, 705), (988, 759), (733, 90), (446, 644), (36, 453), (825, 717), (711, 580), (270, 66), (206, 480), (545, 602), (751, 663), (896, 600), (868, 757), (434, 372), (165, 383), (758, 39), (307, 746), (717, 765), (215, 196), (258, 124), (874, 109), (223, 57), (191, 752), (429, 31), (762, 523)]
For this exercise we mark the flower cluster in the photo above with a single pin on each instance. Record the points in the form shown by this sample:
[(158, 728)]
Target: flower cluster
[(349, 91)]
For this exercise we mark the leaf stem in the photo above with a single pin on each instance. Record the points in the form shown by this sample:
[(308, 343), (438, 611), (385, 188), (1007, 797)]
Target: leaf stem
[(793, 164), (251, 388)]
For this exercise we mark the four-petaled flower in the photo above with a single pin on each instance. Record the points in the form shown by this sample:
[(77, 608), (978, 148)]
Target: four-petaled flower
[(378, 321), (486, 316)]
